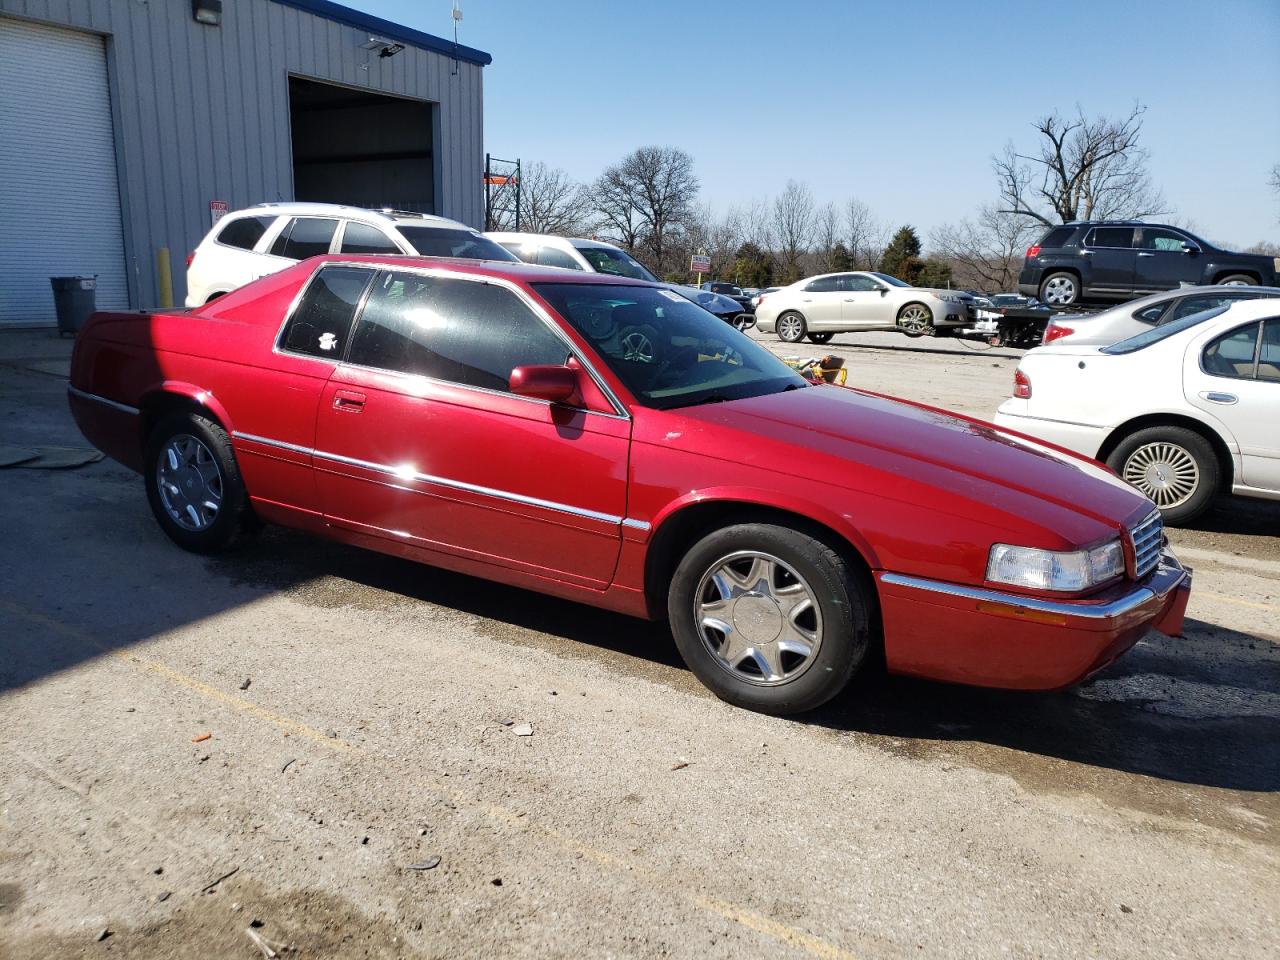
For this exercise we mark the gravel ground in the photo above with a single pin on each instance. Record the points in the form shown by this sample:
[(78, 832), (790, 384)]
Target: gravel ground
[(364, 717)]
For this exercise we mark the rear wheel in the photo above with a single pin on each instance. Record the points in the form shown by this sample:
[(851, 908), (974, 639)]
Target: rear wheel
[(916, 320), (820, 337), (194, 485), (1174, 466), (1238, 280), (769, 618), (1060, 289), (791, 327)]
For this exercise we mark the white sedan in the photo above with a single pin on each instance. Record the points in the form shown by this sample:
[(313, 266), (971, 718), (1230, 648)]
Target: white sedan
[(822, 306), (1182, 411), (1132, 318)]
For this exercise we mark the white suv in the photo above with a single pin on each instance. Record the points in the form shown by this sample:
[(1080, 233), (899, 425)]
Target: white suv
[(252, 243)]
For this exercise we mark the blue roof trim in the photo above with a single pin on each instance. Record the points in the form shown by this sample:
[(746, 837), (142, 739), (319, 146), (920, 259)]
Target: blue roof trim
[(385, 28)]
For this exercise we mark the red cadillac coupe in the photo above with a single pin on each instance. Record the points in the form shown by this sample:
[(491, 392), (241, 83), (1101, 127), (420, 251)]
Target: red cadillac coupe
[(609, 442)]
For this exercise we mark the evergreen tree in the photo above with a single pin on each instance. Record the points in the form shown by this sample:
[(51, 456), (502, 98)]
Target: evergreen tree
[(752, 266), (902, 257), (933, 273), (840, 258)]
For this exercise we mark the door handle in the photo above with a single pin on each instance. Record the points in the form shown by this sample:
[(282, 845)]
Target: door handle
[(348, 401), (1143, 254), (850, 300), (806, 299), (1215, 397)]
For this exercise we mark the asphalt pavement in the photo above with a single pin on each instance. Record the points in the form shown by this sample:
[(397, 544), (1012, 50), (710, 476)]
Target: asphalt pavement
[(350, 755)]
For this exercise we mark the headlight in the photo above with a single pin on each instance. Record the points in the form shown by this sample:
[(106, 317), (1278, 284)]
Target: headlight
[(1047, 570), (950, 298)]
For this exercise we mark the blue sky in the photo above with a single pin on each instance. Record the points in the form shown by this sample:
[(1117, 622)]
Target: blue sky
[(901, 103)]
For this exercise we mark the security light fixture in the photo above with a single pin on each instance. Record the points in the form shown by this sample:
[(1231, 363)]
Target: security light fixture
[(385, 47), (208, 12)]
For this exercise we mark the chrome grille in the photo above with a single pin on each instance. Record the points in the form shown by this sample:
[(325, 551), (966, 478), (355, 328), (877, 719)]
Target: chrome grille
[(1148, 542)]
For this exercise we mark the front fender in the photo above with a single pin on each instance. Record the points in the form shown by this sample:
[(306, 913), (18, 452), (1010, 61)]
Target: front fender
[(843, 525)]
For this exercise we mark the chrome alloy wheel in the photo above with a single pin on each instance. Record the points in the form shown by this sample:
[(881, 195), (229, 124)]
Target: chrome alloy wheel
[(915, 319), (189, 482), (758, 618), (1165, 472), (790, 328), (1060, 291)]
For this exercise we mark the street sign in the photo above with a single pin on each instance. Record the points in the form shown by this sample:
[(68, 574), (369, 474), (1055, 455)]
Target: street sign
[(217, 210), (699, 264)]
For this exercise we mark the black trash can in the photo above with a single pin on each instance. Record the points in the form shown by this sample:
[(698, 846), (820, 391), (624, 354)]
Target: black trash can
[(74, 298)]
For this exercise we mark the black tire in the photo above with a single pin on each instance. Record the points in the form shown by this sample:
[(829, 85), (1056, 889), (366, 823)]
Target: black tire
[(1239, 280), (1163, 451), (820, 337), (910, 325), (845, 611), (233, 516), (1060, 289), (793, 330)]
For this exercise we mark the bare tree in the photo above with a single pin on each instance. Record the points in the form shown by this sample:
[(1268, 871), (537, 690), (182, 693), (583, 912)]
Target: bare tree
[(551, 202), (617, 217), (720, 237), (865, 236), (757, 224), (827, 230), (1274, 182), (985, 253), (647, 197), (792, 227), (1085, 168)]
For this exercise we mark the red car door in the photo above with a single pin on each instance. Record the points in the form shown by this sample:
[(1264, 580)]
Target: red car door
[(419, 440)]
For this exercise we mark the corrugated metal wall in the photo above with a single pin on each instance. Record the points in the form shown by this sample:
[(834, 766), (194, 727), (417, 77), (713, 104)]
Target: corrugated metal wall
[(202, 113)]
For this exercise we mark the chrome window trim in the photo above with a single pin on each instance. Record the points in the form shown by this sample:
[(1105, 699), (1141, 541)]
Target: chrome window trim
[(340, 237), (402, 474), (1104, 611), (1257, 350), (1086, 245), (114, 405)]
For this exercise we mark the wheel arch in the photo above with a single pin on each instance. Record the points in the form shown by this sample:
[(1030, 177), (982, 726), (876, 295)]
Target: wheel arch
[(174, 396), (1074, 271), (1222, 274), (1225, 459), (688, 523)]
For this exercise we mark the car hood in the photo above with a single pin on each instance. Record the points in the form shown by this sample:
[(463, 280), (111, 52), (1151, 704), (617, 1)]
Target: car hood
[(935, 292), (863, 439)]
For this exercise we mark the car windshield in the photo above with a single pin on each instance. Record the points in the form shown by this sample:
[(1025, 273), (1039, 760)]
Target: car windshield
[(616, 263), (892, 281), (668, 351), (445, 242), (1165, 330)]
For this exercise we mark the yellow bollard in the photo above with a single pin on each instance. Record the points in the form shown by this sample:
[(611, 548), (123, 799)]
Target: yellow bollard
[(164, 277)]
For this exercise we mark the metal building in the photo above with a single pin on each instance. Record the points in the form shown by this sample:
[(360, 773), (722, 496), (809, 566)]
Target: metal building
[(127, 125)]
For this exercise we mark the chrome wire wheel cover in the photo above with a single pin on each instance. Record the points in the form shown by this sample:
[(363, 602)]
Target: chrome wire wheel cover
[(189, 482), (790, 328), (915, 318), (1236, 283), (1060, 290), (637, 347), (1165, 472), (758, 618)]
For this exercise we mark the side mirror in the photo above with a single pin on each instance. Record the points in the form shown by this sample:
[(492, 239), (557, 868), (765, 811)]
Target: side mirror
[(544, 381), (883, 290), (1189, 247)]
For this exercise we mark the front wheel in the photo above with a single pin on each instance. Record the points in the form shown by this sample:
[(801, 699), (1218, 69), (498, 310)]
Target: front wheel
[(1173, 466), (770, 618), (194, 485), (791, 327), (916, 320), (820, 337)]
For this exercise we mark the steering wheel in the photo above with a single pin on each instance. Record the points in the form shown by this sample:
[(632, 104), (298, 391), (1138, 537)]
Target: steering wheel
[(639, 344)]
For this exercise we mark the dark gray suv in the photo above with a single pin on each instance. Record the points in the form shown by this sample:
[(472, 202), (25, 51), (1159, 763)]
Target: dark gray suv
[(1094, 261)]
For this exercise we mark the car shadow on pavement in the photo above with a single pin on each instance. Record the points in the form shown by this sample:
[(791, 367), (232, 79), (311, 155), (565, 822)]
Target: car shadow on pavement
[(1188, 716), (1202, 711)]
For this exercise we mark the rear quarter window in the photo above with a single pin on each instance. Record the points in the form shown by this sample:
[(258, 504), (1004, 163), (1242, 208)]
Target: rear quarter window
[(1057, 237), (244, 232), (322, 320)]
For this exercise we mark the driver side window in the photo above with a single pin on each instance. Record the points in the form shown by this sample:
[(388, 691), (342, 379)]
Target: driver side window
[(461, 331)]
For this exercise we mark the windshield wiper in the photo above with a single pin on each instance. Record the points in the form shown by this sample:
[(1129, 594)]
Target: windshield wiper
[(794, 386)]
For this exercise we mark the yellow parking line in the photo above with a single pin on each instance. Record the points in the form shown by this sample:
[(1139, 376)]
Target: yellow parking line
[(741, 916), (1254, 604)]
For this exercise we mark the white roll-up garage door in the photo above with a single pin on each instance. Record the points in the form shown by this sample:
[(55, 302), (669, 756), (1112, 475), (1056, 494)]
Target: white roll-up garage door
[(59, 197)]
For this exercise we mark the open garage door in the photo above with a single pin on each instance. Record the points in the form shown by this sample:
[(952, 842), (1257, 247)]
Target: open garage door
[(59, 196), (360, 148)]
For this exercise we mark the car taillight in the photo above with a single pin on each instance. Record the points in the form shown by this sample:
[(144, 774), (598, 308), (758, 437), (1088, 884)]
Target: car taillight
[(190, 256), (1033, 250), (1055, 332), (1021, 385)]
